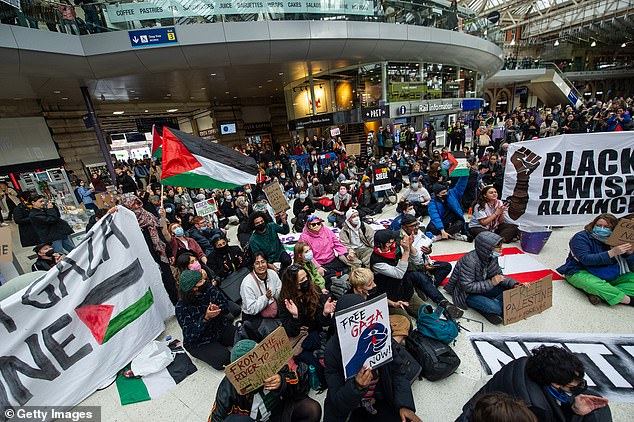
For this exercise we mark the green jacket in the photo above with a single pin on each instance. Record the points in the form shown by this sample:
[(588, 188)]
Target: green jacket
[(268, 242), (314, 275)]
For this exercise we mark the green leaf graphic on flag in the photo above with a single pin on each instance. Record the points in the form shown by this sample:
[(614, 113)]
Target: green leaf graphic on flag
[(97, 315)]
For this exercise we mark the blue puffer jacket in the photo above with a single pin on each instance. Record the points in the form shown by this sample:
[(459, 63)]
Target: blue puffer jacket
[(590, 254), (436, 208)]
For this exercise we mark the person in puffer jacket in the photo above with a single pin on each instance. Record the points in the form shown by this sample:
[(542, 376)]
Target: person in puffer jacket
[(477, 280)]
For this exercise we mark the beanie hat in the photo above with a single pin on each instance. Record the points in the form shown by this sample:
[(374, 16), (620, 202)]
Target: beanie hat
[(365, 178), (438, 187), (189, 279), (408, 219), (241, 348)]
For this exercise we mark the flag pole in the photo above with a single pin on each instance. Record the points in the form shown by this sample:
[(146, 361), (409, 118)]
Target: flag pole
[(161, 194)]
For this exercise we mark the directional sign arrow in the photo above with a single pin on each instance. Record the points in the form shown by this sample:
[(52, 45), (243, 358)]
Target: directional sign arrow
[(135, 40)]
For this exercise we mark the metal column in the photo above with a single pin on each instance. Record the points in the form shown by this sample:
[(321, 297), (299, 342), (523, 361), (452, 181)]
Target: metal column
[(95, 124)]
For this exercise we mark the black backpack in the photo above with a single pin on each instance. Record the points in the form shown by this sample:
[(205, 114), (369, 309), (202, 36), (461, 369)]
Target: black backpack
[(437, 359)]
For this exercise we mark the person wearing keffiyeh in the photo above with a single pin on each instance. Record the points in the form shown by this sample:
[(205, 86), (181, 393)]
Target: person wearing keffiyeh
[(603, 272), (156, 236)]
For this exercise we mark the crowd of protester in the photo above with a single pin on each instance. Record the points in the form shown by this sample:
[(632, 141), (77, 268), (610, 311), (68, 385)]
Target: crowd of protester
[(302, 292)]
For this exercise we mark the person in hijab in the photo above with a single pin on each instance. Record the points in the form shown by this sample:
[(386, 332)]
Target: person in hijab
[(357, 236), (156, 235), (283, 397), (262, 205), (603, 272)]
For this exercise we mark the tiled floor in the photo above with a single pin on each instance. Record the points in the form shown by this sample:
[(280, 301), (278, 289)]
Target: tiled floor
[(440, 401)]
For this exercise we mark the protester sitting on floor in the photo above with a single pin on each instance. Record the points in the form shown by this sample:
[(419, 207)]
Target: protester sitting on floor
[(477, 280), (342, 203), (265, 239), (46, 257), (445, 213), (402, 208), (418, 196), (551, 383), (207, 335), (328, 251), (202, 234), (603, 272), (302, 304), (188, 261), (383, 394), (357, 236), (489, 215), (501, 407), (93, 219), (226, 259), (180, 242), (425, 274), (303, 255), (302, 208), (389, 264), (259, 292), (262, 205), (283, 397), (366, 200)]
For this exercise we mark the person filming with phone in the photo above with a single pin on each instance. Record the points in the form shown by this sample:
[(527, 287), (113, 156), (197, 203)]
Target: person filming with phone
[(489, 214)]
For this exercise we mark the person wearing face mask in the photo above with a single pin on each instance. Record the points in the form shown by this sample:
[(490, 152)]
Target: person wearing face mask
[(302, 208), (396, 178), (418, 196), (226, 259), (202, 234), (262, 205), (179, 241), (302, 255), (342, 202), (551, 383), (365, 199), (207, 335), (46, 257), (317, 194), (357, 236), (404, 207), (228, 207), (603, 272), (265, 238), (477, 280), (445, 212), (302, 304)]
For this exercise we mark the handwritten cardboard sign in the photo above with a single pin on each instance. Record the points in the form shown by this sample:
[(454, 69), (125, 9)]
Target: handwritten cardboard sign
[(6, 254), (622, 233), (353, 149), (365, 335), (206, 207), (107, 200), (528, 300), (276, 198), (269, 356)]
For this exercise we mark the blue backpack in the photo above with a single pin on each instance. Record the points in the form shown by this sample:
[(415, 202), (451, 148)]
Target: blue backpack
[(431, 324)]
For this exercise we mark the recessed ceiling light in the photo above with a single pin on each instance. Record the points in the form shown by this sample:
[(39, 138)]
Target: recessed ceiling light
[(64, 98), (235, 98), (168, 95), (212, 74), (203, 88), (281, 74), (191, 98), (57, 92), (145, 111), (136, 98), (259, 86), (270, 80), (226, 92), (171, 110), (118, 112), (132, 90)]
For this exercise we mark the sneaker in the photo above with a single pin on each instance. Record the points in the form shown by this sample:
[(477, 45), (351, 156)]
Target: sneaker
[(594, 299), (460, 236), (453, 311), (494, 319)]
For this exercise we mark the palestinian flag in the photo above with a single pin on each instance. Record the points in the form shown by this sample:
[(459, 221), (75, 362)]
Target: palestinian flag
[(457, 164), (192, 162), (157, 143), (148, 387)]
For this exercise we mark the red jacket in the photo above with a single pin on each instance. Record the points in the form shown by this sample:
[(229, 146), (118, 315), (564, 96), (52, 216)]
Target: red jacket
[(192, 245)]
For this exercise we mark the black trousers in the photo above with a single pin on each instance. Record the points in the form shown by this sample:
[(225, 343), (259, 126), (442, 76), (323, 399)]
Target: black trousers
[(452, 228), (216, 353), (507, 231)]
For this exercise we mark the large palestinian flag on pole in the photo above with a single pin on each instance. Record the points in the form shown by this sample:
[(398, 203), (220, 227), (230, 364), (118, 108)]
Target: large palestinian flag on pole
[(192, 162), (157, 143)]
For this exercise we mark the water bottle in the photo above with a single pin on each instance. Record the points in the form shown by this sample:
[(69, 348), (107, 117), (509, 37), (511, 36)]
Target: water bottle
[(313, 379)]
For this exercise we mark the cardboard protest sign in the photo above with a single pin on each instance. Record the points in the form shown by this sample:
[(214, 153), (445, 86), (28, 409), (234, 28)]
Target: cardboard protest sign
[(269, 356), (206, 207), (83, 320), (527, 300), (335, 131), (365, 336), (622, 233), (276, 198), (6, 254), (381, 179), (353, 149)]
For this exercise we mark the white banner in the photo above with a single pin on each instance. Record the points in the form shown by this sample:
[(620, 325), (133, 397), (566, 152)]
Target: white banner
[(70, 331), (365, 336), (567, 180)]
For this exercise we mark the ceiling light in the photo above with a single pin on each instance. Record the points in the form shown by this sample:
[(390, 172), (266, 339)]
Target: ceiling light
[(57, 92), (191, 98), (136, 98), (270, 80), (168, 95), (623, 45), (145, 111), (259, 86), (226, 92), (64, 98), (594, 44), (171, 110), (280, 74), (203, 88), (212, 74), (556, 43), (235, 98), (132, 90), (118, 112)]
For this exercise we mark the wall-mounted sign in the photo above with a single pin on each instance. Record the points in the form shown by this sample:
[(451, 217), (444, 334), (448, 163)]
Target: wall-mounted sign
[(374, 113), (208, 133), (152, 37), (402, 110), (256, 128), (312, 121)]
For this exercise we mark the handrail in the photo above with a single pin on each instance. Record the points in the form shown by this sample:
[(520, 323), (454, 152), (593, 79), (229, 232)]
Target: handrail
[(564, 77)]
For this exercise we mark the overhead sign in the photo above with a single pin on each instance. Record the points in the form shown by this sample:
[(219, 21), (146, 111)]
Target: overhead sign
[(570, 179), (375, 113), (365, 336), (152, 37), (71, 330), (276, 198), (527, 300), (608, 358), (622, 233), (312, 121), (265, 360), (6, 254), (206, 207)]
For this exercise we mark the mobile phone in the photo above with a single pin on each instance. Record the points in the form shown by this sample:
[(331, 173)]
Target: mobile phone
[(506, 201)]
